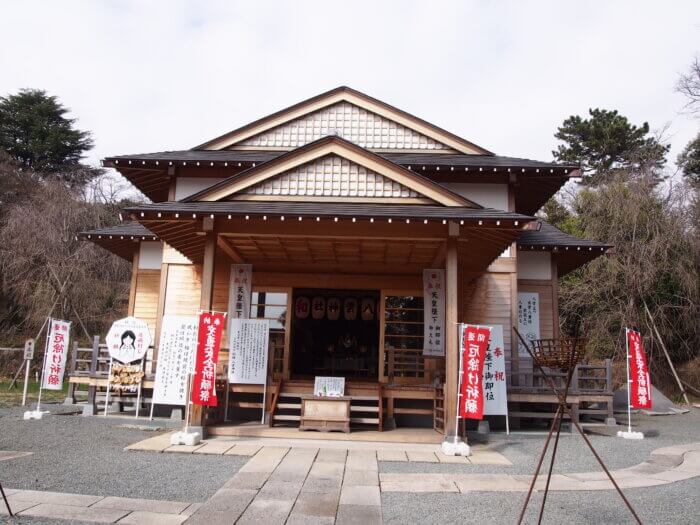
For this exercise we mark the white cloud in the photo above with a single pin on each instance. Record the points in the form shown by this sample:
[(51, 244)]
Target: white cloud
[(149, 76)]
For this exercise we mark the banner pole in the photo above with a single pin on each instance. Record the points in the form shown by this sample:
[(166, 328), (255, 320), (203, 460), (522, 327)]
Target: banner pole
[(629, 383), (109, 377), (460, 336), (262, 419), (43, 365), (27, 363), (188, 402), (138, 396)]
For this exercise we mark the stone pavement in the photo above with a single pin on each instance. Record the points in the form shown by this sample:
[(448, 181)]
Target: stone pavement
[(331, 485), (97, 509), (385, 451), (665, 465)]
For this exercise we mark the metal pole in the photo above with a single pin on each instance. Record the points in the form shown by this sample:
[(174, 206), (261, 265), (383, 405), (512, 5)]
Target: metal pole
[(109, 376), (7, 504), (460, 327)]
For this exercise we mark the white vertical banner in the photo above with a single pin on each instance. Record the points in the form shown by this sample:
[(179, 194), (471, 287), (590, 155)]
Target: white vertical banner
[(176, 351), (434, 312), (240, 289), (248, 349), (528, 319), (494, 376), (57, 347)]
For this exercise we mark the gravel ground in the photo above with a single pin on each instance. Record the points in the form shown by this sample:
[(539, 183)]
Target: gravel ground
[(85, 455), (572, 453), (675, 503)]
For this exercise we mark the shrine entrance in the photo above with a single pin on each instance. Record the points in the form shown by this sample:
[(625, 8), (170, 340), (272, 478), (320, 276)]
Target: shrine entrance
[(335, 333)]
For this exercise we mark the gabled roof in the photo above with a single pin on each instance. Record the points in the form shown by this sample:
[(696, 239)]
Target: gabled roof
[(331, 146), (351, 96)]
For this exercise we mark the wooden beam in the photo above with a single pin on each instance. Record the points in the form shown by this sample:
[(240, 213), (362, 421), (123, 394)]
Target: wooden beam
[(160, 310), (452, 335), (229, 250)]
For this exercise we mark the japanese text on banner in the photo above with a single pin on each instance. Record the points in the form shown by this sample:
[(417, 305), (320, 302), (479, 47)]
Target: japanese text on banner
[(211, 325), (474, 342), (434, 312), (56, 352), (640, 385)]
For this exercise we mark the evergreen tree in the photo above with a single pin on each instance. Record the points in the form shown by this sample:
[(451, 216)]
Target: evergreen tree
[(36, 133), (689, 161), (607, 143)]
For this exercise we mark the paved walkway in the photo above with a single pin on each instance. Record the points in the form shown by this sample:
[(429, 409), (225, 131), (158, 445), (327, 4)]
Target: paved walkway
[(331, 485), (97, 509)]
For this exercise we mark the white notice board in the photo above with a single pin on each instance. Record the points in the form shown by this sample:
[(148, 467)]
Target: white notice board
[(248, 347), (176, 349), (329, 386)]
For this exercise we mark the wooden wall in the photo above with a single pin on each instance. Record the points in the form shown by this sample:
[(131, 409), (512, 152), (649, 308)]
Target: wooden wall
[(146, 296), (183, 289), (487, 300)]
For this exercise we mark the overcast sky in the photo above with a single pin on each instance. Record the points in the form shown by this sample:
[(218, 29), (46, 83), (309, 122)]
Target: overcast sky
[(149, 76)]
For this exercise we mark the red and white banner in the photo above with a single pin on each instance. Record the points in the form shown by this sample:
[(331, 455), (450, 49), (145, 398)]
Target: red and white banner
[(211, 325), (474, 342), (57, 340), (640, 384)]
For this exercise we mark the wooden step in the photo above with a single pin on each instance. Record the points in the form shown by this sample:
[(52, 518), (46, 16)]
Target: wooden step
[(360, 408), (289, 406), (285, 417), (245, 404), (365, 420)]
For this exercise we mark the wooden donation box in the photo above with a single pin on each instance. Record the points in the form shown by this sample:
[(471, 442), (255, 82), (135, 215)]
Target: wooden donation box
[(325, 413)]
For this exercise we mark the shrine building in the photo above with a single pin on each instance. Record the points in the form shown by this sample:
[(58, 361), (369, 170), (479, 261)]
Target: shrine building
[(339, 203)]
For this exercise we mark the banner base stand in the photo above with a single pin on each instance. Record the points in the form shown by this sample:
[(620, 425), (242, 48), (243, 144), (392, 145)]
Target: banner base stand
[(191, 438), (483, 427), (630, 435), (34, 414), (455, 446)]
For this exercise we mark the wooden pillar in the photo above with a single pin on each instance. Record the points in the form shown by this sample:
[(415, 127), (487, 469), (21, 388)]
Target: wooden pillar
[(134, 280), (555, 297), (452, 335), (205, 302)]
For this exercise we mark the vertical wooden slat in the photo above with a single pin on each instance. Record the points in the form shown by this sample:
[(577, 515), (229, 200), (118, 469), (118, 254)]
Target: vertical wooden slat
[(162, 291), (134, 279), (452, 338), (288, 337), (382, 330), (555, 297), (92, 389)]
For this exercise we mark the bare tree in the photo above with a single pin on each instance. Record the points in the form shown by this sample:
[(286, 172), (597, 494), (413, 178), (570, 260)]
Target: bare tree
[(688, 85)]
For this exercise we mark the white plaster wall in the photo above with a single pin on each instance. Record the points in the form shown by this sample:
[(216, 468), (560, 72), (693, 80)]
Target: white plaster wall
[(150, 255), (487, 195), (186, 186), (534, 265)]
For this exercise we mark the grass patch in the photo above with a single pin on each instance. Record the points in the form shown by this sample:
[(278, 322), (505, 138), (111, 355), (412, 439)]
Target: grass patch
[(13, 397)]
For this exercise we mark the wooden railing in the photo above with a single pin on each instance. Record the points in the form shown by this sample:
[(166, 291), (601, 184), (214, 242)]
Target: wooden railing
[(588, 378), (405, 363)]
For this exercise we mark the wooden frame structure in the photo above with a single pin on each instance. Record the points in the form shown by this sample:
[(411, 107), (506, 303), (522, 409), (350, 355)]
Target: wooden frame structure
[(405, 197)]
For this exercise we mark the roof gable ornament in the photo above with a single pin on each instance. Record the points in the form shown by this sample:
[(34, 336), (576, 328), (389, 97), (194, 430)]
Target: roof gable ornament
[(355, 116), (331, 168)]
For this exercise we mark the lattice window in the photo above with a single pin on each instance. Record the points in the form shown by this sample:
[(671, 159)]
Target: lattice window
[(403, 337)]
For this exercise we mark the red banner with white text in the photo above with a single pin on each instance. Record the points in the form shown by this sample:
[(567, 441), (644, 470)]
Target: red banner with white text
[(211, 325), (474, 342), (640, 384)]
